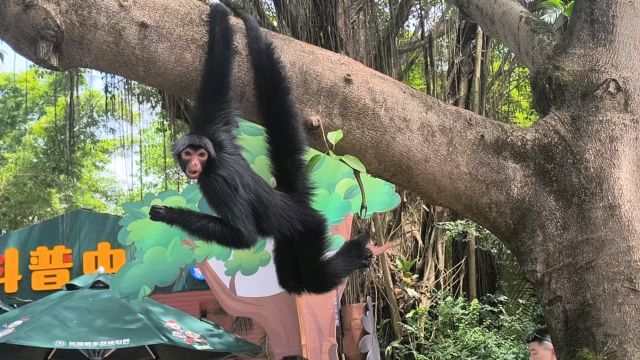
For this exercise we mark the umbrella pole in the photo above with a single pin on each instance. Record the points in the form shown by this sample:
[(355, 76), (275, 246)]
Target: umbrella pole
[(97, 354), (109, 352), (50, 354), (153, 355)]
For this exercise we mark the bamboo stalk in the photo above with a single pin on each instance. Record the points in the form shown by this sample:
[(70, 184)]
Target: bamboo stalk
[(472, 267), (388, 281), (475, 96)]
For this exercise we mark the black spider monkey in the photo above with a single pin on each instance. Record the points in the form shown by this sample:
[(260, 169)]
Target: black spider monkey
[(246, 206)]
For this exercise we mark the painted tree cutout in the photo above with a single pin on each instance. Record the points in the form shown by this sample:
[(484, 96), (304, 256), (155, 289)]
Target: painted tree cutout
[(247, 262), (337, 197)]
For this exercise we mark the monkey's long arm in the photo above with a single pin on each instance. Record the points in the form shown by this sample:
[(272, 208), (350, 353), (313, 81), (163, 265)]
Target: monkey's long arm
[(215, 115), (285, 135), (204, 226)]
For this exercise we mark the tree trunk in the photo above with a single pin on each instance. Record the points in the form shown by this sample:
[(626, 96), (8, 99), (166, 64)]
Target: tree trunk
[(562, 194), (578, 237)]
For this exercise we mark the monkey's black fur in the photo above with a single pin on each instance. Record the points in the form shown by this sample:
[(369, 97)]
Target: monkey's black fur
[(246, 206)]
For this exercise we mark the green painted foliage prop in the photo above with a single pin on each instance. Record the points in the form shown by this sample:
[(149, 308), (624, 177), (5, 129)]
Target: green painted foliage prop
[(161, 254), (328, 175), (247, 262)]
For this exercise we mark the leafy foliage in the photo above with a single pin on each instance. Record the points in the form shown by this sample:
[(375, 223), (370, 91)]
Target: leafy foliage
[(513, 101), (459, 329), (160, 254), (247, 262), (335, 136), (517, 290), (587, 354), (556, 12), (51, 161), (337, 192), (156, 162)]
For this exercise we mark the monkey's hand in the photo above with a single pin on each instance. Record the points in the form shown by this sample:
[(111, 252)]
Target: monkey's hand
[(161, 213)]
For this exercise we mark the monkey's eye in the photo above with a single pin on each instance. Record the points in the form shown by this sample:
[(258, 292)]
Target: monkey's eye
[(187, 153), (203, 155)]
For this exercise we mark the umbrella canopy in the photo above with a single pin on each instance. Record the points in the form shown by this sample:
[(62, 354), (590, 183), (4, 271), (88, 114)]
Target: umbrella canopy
[(86, 317)]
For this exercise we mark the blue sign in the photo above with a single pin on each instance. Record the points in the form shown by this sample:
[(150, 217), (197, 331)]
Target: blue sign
[(196, 273)]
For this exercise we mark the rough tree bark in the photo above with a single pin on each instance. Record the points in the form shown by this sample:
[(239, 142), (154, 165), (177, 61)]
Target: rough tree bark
[(562, 194), (525, 35)]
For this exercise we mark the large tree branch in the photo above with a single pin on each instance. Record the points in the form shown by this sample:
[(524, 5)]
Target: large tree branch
[(529, 38), (449, 156)]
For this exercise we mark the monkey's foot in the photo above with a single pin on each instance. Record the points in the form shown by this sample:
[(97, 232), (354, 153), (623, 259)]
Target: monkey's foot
[(356, 251)]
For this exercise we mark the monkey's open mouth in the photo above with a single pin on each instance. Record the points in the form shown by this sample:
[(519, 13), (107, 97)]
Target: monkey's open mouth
[(193, 175)]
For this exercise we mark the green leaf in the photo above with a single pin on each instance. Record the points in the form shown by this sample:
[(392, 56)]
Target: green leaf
[(335, 136), (144, 291), (568, 10), (348, 188), (552, 9), (354, 163), (250, 129), (148, 197), (331, 205), (192, 194), (173, 250), (204, 207), (177, 253), (261, 245), (312, 163), (131, 207), (167, 194), (175, 201), (262, 167), (247, 262), (123, 236), (200, 253), (334, 156), (207, 250), (381, 195), (352, 192)]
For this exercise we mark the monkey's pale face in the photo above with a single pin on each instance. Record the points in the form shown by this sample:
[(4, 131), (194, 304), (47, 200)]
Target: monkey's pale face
[(193, 161)]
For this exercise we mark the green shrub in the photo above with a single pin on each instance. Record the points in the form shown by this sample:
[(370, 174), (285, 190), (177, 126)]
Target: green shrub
[(459, 329)]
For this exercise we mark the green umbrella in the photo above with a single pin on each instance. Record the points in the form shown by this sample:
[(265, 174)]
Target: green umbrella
[(86, 317)]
